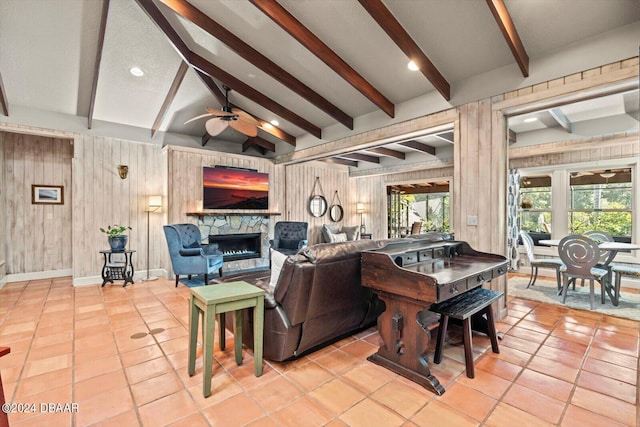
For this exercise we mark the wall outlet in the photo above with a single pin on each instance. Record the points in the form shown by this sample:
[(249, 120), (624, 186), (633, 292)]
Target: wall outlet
[(472, 220)]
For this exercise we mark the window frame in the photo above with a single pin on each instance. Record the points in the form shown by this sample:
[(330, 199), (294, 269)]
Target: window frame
[(561, 200)]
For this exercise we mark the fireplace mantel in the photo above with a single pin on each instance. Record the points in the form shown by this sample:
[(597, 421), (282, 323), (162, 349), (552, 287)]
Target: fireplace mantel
[(202, 214)]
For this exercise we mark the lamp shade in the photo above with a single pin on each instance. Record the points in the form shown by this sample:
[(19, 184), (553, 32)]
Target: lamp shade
[(155, 202), (359, 207)]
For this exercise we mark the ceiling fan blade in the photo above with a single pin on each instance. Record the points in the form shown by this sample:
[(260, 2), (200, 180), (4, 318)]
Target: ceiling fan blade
[(216, 126), (245, 117), (243, 127), (197, 117), (220, 113)]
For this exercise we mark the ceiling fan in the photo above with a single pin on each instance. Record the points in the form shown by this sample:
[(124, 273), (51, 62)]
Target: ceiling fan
[(228, 117)]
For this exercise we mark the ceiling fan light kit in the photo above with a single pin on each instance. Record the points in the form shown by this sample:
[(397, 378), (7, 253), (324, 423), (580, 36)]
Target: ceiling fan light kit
[(228, 117)]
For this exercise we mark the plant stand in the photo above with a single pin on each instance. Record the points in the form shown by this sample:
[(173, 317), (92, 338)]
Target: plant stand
[(117, 268)]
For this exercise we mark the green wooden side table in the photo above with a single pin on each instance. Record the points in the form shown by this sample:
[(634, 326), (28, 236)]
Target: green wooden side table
[(218, 299)]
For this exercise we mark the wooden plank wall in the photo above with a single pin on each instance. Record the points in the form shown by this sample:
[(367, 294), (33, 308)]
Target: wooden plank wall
[(101, 198), (3, 204), (372, 191), (38, 237), (184, 176), (582, 151), (299, 183)]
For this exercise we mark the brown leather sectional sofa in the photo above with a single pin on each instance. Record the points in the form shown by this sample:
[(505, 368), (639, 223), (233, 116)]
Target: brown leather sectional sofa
[(318, 299)]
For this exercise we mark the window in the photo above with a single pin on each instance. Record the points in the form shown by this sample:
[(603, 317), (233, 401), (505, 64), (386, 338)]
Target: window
[(535, 204), (601, 200)]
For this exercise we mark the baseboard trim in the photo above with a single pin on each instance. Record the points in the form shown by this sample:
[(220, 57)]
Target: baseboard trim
[(37, 275), (138, 276)]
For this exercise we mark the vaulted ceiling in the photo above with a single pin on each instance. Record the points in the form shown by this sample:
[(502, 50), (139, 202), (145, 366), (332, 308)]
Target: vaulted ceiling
[(309, 64)]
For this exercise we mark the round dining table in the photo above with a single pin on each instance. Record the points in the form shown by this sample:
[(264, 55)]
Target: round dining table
[(613, 248)]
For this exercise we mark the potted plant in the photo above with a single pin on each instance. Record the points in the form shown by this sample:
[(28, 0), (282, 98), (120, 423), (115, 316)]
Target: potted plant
[(117, 240)]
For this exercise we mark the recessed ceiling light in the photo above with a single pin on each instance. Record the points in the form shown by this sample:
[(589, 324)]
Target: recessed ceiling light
[(136, 71), (413, 66), (275, 122), (530, 119)]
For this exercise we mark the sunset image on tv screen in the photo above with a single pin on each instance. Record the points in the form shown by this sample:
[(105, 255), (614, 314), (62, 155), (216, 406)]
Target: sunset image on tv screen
[(234, 189)]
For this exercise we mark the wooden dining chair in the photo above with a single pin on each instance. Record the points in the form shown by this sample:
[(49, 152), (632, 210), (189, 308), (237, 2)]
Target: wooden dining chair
[(580, 254), (535, 263)]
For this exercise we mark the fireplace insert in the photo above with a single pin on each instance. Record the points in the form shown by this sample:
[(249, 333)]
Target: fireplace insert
[(238, 246)]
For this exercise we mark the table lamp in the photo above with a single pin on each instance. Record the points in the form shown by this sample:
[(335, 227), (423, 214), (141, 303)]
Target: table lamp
[(360, 210)]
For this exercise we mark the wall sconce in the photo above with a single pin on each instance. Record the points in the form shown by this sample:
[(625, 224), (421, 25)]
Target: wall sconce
[(360, 210), (123, 171)]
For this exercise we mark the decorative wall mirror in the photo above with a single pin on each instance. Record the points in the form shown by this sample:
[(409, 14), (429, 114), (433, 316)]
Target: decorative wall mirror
[(317, 202), (335, 210)]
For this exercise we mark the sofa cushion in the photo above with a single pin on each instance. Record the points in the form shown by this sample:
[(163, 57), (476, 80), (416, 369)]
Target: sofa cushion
[(353, 233), (338, 237), (277, 259), (328, 230)]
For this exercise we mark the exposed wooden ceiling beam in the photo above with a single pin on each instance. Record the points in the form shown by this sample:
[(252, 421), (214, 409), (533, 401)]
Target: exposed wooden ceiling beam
[(96, 66), (175, 85), (254, 57), (387, 152), (263, 124), (259, 142), (208, 68), (205, 138), (501, 14), (303, 35), (248, 144), (174, 38), (562, 120), (445, 136), (399, 35), (513, 137), (419, 146), (242, 88), (3, 99), (363, 157), (339, 161)]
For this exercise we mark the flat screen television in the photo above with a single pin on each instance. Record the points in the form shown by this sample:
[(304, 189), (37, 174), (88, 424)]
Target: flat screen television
[(234, 188)]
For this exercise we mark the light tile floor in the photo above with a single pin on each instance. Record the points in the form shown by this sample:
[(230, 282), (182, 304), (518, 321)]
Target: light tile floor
[(121, 355)]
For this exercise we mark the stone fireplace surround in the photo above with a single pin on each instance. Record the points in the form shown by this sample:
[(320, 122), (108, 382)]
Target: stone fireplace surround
[(215, 224)]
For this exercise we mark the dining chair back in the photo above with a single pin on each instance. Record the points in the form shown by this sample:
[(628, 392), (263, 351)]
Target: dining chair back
[(535, 263), (599, 237), (580, 254)]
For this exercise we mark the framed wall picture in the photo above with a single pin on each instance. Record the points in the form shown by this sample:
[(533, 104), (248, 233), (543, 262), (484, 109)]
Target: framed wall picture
[(47, 194)]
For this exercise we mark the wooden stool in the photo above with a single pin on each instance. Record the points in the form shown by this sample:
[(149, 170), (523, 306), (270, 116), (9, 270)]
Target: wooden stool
[(218, 299), (462, 307)]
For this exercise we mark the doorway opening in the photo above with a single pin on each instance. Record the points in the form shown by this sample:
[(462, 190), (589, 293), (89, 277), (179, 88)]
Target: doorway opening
[(416, 208)]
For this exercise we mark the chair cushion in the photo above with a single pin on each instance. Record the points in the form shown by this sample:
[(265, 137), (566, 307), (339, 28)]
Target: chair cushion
[(626, 270), (548, 262), (288, 243)]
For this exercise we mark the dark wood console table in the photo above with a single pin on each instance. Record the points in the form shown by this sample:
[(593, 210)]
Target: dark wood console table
[(409, 277)]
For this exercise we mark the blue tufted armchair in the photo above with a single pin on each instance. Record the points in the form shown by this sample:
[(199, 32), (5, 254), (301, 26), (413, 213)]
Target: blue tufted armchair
[(188, 255), (289, 237)]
